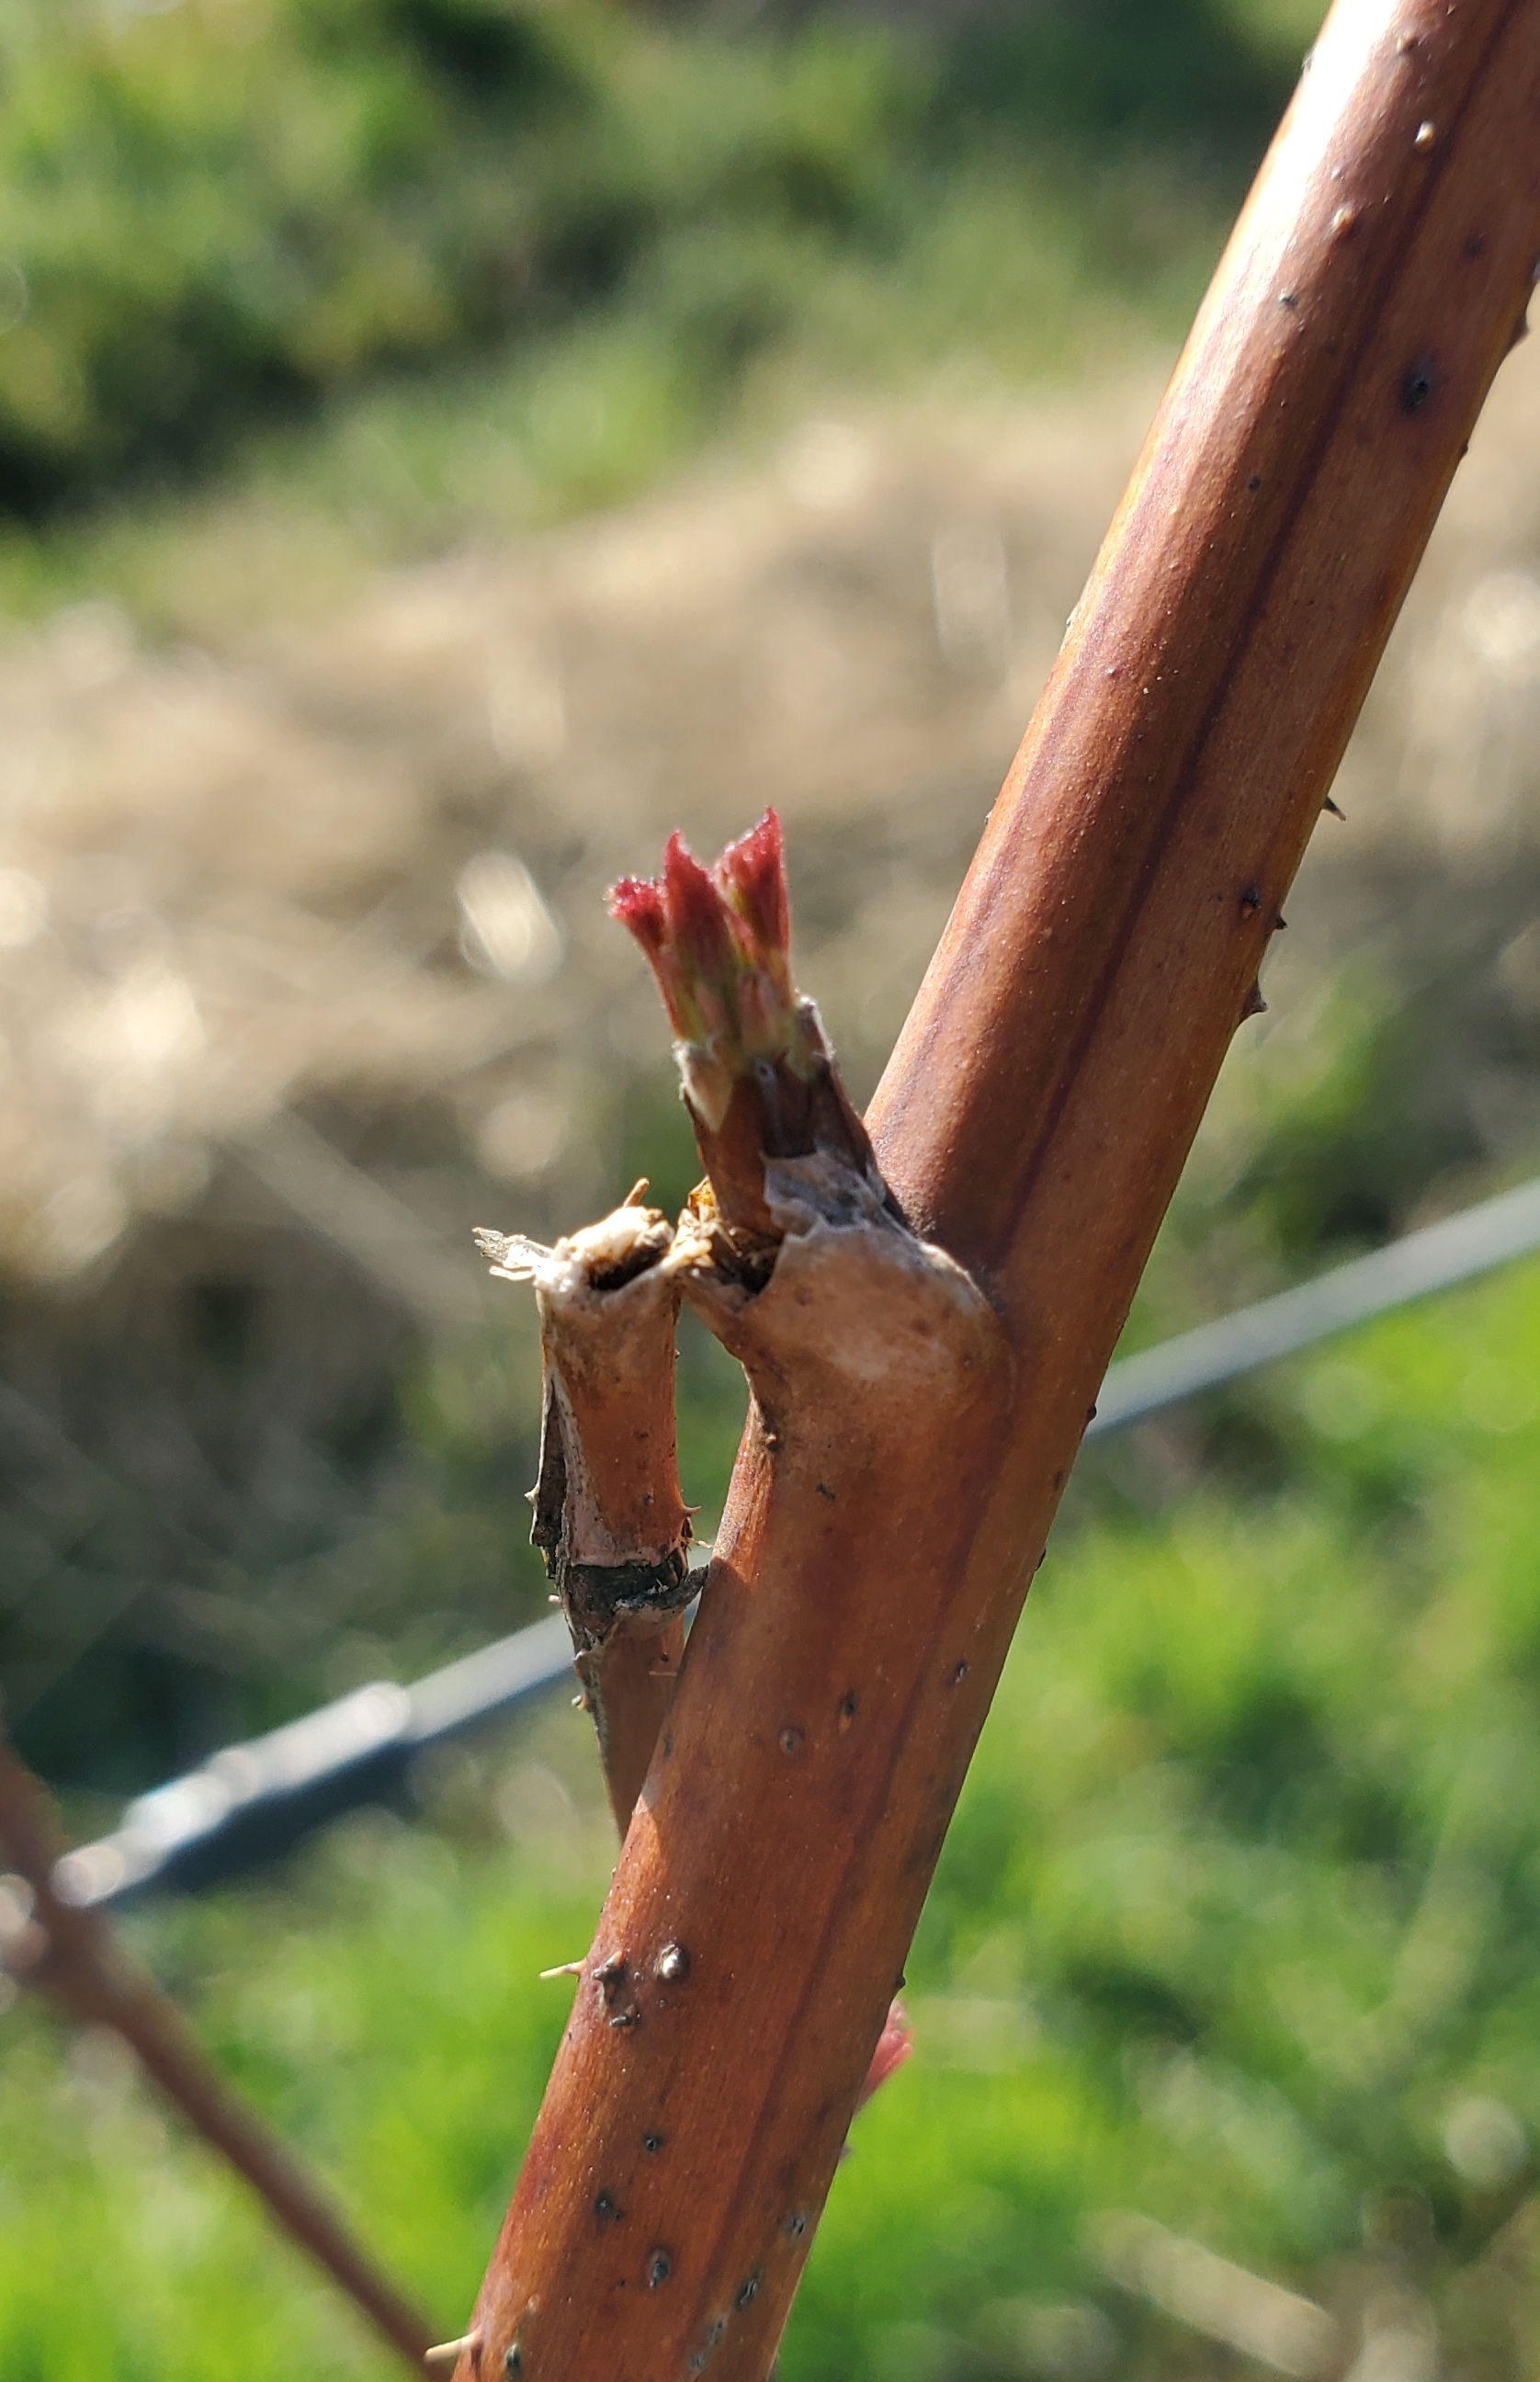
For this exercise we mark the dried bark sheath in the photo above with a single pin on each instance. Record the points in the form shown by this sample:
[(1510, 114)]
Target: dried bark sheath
[(74, 1957), (1033, 1122), (609, 1518)]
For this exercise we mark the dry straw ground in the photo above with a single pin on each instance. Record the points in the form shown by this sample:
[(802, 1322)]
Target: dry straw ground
[(303, 963), (231, 879)]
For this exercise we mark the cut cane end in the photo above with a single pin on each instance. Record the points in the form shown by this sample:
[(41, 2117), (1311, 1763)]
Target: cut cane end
[(604, 1256)]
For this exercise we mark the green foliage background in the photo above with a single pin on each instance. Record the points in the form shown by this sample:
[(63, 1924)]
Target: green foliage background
[(231, 215)]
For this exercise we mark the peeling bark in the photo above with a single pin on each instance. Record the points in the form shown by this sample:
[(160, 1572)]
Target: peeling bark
[(609, 1518), (854, 1302)]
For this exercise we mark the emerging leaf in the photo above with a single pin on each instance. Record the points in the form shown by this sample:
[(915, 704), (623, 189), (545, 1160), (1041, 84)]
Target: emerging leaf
[(717, 941)]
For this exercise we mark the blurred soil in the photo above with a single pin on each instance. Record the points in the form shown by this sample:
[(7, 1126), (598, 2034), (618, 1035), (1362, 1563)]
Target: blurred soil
[(304, 966)]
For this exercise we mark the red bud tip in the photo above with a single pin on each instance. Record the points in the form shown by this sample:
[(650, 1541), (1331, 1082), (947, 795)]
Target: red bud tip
[(699, 927), (751, 874), (716, 939), (638, 904), (895, 2044)]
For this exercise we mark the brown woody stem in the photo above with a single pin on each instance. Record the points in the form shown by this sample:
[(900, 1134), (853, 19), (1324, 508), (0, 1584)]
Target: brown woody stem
[(1033, 1123), (72, 1956), (879, 1377), (609, 1516)]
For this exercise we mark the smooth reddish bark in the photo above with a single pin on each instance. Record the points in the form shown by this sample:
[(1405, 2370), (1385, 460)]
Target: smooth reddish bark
[(1033, 1120)]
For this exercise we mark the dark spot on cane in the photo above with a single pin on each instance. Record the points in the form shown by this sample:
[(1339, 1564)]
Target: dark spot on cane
[(1254, 481), (624, 2018), (606, 2210), (825, 1492), (796, 2224), (714, 2331), (846, 1707), (960, 1674), (1476, 245), (660, 2266), (790, 1740), (1287, 298), (746, 2291), (1250, 900), (1416, 388), (667, 1746), (651, 2141), (513, 2362)]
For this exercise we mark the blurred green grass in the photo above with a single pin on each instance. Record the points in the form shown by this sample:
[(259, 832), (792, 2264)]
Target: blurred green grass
[(390, 271), (1241, 1903)]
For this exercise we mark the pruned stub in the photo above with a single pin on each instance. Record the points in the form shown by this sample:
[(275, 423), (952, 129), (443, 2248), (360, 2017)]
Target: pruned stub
[(609, 1518)]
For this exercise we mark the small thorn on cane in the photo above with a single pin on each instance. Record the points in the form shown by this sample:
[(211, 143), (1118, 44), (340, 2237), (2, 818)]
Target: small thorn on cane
[(448, 2353), (564, 1969), (1335, 808)]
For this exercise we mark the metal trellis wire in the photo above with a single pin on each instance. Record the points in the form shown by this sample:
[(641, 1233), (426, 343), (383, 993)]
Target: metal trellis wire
[(252, 1802)]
